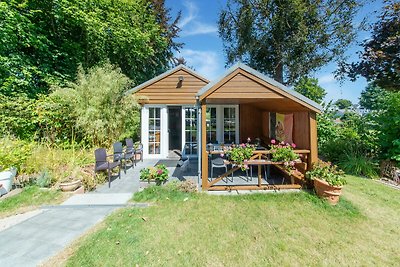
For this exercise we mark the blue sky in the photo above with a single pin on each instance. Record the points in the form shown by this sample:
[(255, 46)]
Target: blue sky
[(203, 48)]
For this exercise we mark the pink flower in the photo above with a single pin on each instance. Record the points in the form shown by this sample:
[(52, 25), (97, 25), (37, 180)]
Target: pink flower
[(242, 145), (246, 166), (286, 163), (294, 145), (292, 163), (248, 139), (282, 143), (273, 141), (222, 155), (159, 171)]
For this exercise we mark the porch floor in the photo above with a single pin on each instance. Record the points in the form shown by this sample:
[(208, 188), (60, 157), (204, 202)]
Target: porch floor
[(190, 172)]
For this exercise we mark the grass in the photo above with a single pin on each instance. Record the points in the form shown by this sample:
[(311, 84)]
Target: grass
[(30, 198), (298, 229)]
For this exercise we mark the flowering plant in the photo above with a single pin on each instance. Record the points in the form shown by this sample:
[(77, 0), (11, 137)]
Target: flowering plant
[(326, 171), (159, 173), (240, 154), (284, 152)]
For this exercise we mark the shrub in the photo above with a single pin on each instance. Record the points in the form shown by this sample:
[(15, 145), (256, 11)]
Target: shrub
[(103, 112), (14, 152), (44, 179), (359, 165), (326, 171)]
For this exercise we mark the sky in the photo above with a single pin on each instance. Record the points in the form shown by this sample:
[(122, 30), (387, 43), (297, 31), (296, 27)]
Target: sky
[(203, 48)]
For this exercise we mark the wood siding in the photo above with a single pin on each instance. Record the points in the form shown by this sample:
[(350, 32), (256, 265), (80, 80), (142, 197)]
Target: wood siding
[(170, 91), (240, 86), (301, 130), (250, 124)]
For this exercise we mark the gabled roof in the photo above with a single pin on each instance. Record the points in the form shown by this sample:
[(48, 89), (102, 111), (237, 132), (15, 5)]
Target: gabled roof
[(165, 74), (295, 96)]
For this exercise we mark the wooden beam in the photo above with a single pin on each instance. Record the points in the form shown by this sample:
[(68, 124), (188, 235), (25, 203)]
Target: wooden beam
[(253, 187), (313, 156), (204, 154)]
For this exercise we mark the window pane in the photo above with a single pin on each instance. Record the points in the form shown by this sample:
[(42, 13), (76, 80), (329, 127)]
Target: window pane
[(154, 130)]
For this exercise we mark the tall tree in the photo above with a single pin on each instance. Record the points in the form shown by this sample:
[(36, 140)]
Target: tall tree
[(287, 38), (42, 43), (343, 103), (309, 87), (380, 60)]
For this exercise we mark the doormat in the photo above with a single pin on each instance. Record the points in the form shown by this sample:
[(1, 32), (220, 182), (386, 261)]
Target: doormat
[(167, 162)]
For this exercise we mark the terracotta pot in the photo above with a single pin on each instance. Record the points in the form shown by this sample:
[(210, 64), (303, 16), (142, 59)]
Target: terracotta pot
[(70, 186), (328, 192)]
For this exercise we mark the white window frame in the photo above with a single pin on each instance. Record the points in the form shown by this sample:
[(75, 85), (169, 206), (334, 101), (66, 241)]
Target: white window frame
[(164, 141), (184, 130), (220, 121)]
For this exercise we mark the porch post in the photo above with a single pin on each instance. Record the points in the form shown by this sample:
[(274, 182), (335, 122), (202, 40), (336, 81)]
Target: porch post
[(204, 156), (313, 156)]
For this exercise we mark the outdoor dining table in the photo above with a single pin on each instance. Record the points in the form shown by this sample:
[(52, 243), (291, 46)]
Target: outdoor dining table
[(258, 161)]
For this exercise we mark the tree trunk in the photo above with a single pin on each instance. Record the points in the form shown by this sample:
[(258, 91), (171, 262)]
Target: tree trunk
[(279, 72)]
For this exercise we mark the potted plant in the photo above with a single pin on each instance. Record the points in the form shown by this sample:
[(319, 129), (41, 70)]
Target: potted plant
[(70, 182), (240, 154), (284, 152), (158, 174), (328, 180)]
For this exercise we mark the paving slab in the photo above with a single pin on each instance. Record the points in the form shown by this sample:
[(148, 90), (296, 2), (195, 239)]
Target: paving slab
[(36, 239), (32, 239)]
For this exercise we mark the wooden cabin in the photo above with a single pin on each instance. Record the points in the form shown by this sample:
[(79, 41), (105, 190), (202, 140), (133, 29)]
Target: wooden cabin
[(181, 110)]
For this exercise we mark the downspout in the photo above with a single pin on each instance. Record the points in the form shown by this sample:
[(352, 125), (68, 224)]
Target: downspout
[(199, 138)]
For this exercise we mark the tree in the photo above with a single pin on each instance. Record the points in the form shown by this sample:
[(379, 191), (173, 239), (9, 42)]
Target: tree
[(380, 62), (372, 97), (287, 39), (42, 43), (343, 103), (309, 87)]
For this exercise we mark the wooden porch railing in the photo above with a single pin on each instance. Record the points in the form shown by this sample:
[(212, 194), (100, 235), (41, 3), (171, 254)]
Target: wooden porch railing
[(260, 158)]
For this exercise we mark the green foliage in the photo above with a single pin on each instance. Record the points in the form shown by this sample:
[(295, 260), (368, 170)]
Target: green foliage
[(327, 129), (389, 124), (372, 97), (286, 39), (14, 153), (158, 173), (309, 88), (18, 116), (44, 179), (358, 165), (326, 171), (239, 154), (343, 103), (379, 62), (98, 102), (42, 43)]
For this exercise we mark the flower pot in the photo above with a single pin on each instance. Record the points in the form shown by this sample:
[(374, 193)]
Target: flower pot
[(70, 186), (6, 180), (328, 192)]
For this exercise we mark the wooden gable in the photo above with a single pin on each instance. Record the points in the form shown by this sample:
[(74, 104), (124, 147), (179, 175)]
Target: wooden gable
[(171, 89)]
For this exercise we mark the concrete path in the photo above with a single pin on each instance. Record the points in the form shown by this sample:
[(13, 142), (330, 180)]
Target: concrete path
[(37, 238)]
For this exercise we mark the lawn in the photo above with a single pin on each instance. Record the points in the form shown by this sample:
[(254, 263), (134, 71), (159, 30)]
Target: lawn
[(251, 230), (30, 198)]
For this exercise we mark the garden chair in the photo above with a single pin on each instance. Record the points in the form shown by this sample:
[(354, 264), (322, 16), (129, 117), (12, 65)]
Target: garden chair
[(219, 162), (120, 155), (102, 164), (135, 151)]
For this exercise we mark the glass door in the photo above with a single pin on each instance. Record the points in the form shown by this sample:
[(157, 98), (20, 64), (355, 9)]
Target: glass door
[(154, 130)]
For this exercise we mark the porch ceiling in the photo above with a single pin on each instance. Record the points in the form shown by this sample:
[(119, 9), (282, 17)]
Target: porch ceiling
[(273, 105)]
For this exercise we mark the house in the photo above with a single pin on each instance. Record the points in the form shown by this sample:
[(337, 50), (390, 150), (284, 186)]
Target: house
[(181, 110)]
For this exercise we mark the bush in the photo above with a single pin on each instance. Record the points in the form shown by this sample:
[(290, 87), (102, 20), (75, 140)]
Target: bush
[(359, 165), (44, 179), (102, 110), (14, 153)]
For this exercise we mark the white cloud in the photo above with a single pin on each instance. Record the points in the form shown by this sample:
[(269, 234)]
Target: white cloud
[(190, 24), (326, 79), (192, 11), (206, 63)]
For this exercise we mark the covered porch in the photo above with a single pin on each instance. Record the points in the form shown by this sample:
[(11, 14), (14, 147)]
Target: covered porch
[(258, 102)]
